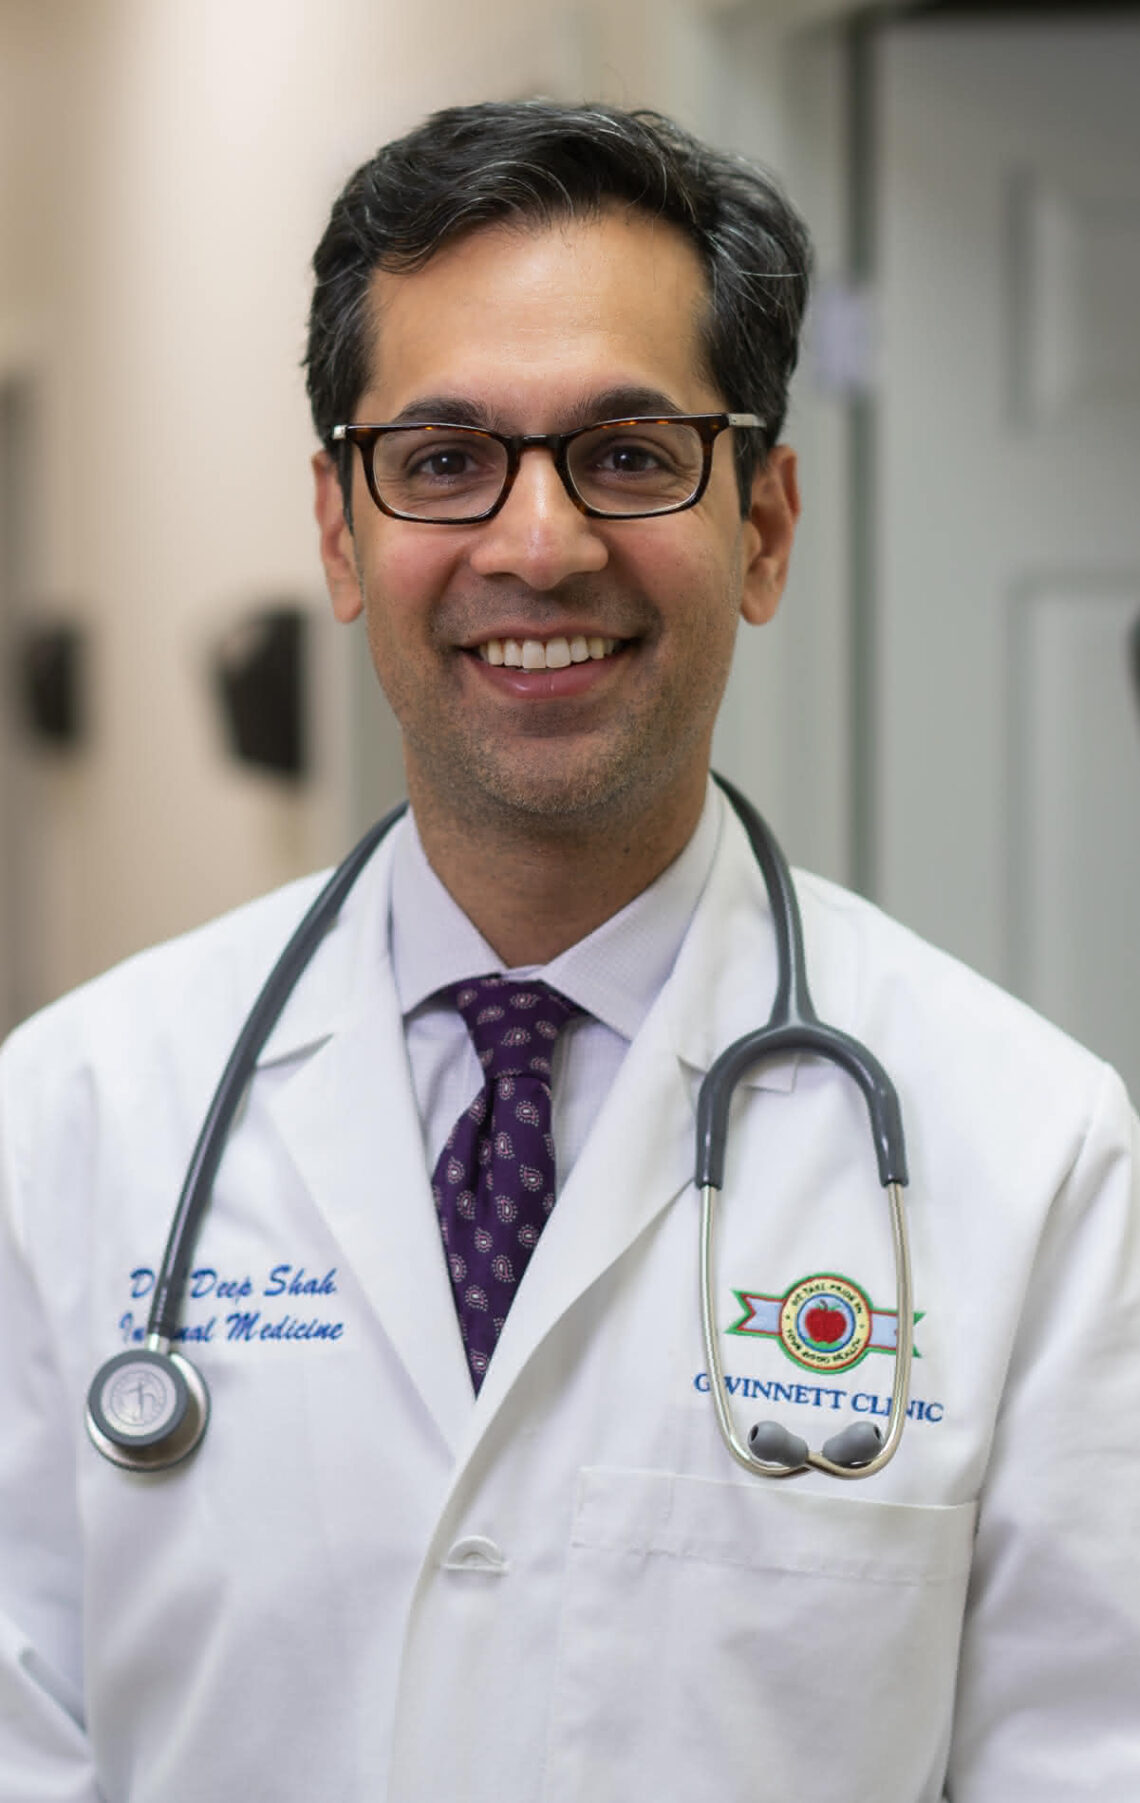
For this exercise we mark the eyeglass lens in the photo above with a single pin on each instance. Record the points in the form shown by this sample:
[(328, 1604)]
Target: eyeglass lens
[(451, 472)]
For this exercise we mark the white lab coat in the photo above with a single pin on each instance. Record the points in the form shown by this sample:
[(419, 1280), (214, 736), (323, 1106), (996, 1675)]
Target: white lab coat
[(369, 1586)]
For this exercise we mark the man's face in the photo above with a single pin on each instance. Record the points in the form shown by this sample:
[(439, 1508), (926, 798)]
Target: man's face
[(542, 330)]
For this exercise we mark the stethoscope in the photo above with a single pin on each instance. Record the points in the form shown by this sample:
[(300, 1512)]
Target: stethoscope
[(148, 1407)]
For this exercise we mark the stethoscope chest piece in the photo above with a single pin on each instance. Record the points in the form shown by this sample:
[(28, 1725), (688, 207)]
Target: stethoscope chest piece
[(147, 1409)]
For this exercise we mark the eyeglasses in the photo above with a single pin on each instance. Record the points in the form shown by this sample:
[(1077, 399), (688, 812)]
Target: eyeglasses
[(618, 469)]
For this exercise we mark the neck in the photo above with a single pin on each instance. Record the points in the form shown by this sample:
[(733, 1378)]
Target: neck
[(533, 890)]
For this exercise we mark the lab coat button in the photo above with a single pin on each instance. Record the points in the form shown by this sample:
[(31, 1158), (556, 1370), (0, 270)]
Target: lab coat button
[(475, 1553)]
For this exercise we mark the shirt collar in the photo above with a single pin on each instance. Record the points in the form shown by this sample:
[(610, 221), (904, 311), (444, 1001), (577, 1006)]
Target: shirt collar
[(615, 973)]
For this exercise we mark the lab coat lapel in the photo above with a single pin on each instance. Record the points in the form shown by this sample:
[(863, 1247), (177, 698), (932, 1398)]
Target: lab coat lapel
[(640, 1156), (624, 1176), (366, 1171), (349, 1124)]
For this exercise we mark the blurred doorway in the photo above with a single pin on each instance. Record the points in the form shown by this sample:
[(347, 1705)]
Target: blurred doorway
[(1006, 194)]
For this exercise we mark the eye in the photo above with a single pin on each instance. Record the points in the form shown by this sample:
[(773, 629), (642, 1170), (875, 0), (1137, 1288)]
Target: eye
[(430, 467), (441, 464), (627, 458), (637, 466), (645, 453)]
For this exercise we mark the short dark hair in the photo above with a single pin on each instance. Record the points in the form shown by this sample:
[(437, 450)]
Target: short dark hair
[(537, 161)]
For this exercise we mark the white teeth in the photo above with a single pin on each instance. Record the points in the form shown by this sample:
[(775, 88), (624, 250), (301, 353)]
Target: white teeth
[(554, 654)]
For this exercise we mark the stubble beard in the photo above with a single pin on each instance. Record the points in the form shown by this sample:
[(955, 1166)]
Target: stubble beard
[(588, 791), (563, 788)]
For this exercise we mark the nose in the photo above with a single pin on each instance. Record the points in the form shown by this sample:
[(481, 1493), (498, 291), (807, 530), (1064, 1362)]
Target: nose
[(538, 535)]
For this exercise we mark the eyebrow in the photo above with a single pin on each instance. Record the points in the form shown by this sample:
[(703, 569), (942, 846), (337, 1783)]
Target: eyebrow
[(610, 403)]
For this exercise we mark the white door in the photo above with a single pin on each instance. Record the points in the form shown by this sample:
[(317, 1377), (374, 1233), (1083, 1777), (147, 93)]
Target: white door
[(1008, 732)]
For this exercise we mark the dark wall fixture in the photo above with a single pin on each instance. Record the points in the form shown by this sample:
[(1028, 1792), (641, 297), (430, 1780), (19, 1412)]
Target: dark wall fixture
[(260, 679), (52, 677)]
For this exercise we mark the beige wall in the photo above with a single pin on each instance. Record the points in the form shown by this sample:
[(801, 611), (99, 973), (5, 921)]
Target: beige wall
[(165, 169)]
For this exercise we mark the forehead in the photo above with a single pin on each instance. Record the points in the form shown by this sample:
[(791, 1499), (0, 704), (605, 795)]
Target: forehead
[(524, 323)]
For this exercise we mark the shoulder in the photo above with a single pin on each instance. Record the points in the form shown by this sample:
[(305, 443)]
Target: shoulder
[(974, 1065), (889, 976), (190, 988), (988, 1087), (871, 975)]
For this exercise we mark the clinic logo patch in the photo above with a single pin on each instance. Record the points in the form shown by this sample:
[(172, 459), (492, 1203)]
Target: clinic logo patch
[(824, 1322)]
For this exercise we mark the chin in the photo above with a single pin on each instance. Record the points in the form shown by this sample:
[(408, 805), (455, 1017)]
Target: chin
[(569, 783), (557, 797), (571, 793)]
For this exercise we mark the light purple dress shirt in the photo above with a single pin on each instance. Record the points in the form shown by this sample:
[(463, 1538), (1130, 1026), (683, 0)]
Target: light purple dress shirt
[(615, 974)]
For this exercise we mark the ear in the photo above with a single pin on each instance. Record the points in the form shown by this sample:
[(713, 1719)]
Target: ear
[(770, 529), (337, 550)]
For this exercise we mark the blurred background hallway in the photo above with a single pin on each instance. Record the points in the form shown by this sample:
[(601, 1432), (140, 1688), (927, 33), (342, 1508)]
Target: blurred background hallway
[(947, 711)]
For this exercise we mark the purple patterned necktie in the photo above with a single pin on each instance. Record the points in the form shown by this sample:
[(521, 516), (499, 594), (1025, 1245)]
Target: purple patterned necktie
[(494, 1182)]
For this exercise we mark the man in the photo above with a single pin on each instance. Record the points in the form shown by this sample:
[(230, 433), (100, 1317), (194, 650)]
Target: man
[(463, 1524)]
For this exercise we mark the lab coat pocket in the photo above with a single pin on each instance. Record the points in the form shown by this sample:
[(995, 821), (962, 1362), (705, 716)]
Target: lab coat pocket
[(752, 1643)]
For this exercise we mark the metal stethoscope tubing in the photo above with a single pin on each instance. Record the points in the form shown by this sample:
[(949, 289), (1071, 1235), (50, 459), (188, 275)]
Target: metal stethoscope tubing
[(793, 1026)]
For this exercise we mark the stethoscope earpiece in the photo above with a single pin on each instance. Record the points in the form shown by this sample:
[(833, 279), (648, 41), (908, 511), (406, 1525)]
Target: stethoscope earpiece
[(855, 1445), (147, 1409), (774, 1444)]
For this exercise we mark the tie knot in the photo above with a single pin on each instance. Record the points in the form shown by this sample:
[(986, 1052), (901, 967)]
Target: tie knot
[(513, 1025)]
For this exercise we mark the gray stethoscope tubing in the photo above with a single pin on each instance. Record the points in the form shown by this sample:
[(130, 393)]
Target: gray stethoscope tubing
[(263, 1016), (171, 1402), (794, 1026), (148, 1407)]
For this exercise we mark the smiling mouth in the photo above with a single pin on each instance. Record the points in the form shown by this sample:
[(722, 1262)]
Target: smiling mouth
[(547, 654)]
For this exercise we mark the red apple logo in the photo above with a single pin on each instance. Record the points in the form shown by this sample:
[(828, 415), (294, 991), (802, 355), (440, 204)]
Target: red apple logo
[(824, 1325)]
